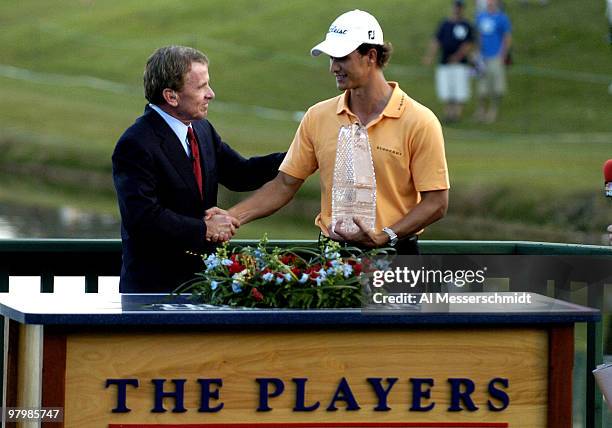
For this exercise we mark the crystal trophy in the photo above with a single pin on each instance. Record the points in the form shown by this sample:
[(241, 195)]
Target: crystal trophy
[(354, 185)]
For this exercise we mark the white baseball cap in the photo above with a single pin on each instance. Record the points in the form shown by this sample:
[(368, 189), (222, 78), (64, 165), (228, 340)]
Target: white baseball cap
[(348, 32)]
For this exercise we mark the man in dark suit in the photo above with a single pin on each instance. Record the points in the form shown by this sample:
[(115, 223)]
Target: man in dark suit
[(166, 169)]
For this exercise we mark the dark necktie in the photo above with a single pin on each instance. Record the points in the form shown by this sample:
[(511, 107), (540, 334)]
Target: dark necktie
[(195, 158)]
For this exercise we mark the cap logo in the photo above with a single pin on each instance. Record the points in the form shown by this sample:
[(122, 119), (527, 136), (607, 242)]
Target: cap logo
[(334, 29), (371, 34)]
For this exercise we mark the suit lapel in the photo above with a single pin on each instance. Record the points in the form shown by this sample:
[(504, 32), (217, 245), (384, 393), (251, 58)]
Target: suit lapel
[(173, 150)]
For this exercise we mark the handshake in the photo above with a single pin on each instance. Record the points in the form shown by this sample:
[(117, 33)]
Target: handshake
[(220, 225)]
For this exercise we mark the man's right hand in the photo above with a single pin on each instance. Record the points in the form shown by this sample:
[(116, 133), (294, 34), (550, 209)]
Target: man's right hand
[(220, 226)]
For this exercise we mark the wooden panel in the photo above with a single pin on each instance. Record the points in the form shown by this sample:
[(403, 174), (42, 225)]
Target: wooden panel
[(11, 364), (560, 375), (54, 372), (324, 357), (29, 377), (30, 365)]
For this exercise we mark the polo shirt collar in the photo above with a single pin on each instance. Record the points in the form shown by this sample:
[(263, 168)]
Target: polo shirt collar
[(397, 103), (394, 108), (342, 104)]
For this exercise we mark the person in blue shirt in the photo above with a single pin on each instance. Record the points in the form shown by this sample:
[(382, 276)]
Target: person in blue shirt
[(454, 39), (495, 39)]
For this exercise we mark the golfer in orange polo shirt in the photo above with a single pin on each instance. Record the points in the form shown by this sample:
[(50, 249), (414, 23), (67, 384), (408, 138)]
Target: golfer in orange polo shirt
[(405, 139)]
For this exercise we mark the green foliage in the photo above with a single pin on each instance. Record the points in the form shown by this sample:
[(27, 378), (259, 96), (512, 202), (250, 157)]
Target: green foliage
[(293, 277)]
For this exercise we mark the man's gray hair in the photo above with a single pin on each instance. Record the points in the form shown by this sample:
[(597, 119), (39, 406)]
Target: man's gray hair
[(166, 68)]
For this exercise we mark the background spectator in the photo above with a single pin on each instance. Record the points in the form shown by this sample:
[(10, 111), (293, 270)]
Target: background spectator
[(495, 39), (454, 39)]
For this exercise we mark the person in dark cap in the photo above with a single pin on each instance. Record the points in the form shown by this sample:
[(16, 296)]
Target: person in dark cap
[(454, 40)]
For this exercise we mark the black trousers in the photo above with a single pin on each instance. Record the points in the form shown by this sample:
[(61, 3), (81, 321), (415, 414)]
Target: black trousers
[(408, 246)]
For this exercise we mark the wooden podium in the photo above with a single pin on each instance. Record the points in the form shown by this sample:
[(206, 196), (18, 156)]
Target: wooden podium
[(151, 361)]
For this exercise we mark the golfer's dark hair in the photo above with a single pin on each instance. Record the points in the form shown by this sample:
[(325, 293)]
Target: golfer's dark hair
[(383, 52)]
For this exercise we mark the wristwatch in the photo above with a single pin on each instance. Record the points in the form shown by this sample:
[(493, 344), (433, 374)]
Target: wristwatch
[(392, 236)]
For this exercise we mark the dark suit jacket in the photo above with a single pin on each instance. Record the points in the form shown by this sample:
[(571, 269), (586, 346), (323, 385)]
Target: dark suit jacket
[(161, 209)]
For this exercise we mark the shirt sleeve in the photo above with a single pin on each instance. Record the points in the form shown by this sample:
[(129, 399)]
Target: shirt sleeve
[(428, 159), (240, 174), (439, 32), (470, 33), (301, 160), (507, 27)]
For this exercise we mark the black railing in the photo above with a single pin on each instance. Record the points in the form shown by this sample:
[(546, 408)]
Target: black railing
[(92, 258)]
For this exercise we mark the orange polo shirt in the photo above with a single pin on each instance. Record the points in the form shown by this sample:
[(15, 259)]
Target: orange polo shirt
[(407, 152)]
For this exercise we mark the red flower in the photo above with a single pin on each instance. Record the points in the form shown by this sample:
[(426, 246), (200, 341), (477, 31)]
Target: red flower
[(357, 267), (288, 259), (256, 294), (367, 264), (296, 271), (313, 271), (236, 268)]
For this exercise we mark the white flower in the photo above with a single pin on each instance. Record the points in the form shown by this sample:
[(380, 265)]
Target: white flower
[(304, 278), (287, 277), (267, 276), (347, 270), (240, 275), (227, 262), (331, 253), (214, 285), (279, 280)]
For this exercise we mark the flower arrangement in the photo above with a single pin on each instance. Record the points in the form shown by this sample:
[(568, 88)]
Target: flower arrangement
[(296, 277)]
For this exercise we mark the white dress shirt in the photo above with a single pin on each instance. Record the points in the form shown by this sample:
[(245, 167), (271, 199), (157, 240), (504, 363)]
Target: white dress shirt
[(179, 128)]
